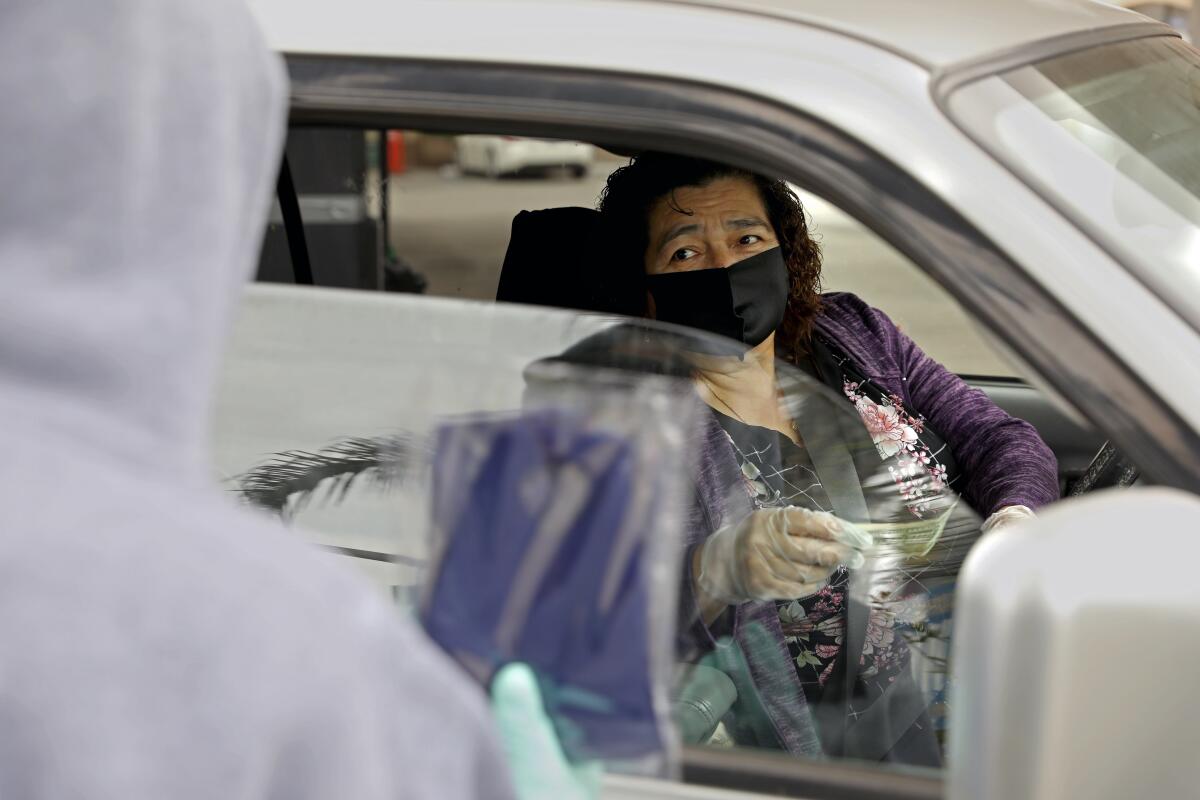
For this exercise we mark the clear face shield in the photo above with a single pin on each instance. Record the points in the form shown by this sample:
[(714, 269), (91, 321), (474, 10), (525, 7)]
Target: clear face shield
[(558, 489)]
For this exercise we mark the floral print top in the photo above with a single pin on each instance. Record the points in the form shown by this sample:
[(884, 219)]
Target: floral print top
[(779, 472), (897, 436)]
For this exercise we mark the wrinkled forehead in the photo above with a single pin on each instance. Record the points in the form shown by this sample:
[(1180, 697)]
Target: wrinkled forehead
[(717, 199)]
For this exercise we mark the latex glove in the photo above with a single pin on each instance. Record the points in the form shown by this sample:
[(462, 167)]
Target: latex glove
[(778, 554), (1006, 516), (540, 769)]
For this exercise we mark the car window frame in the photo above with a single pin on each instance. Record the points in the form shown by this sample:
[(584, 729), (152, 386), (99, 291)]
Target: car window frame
[(624, 110)]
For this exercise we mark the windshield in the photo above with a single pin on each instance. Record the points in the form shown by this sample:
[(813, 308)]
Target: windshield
[(1112, 134)]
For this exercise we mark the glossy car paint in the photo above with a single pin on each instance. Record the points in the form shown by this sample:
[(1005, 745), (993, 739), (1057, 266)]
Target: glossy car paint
[(870, 71), (881, 98)]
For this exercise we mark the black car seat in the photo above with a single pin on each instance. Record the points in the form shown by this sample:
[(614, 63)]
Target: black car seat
[(561, 257)]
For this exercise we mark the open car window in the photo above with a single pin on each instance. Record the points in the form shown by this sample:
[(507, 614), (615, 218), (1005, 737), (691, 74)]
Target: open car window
[(450, 200), (332, 395)]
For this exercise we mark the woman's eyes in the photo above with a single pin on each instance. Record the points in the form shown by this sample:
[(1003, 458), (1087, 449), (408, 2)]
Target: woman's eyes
[(687, 253)]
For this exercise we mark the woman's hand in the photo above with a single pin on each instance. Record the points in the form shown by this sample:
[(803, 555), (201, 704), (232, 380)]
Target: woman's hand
[(1007, 516), (776, 554)]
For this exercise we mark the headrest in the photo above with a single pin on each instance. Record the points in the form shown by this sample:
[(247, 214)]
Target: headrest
[(559, 257)]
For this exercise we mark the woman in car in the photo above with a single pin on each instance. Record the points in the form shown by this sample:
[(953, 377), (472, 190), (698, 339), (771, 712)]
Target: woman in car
[(771, 562)]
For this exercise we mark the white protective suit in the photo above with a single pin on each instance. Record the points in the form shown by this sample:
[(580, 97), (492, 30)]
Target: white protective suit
[(156, 641)]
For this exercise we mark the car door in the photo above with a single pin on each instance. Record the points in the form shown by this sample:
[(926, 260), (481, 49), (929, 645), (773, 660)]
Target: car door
[(432, 100)]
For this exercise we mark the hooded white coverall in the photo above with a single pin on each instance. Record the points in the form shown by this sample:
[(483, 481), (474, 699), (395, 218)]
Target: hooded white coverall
[(156, 641)]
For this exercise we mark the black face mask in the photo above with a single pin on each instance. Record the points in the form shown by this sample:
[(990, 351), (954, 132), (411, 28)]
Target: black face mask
[(745, 302)]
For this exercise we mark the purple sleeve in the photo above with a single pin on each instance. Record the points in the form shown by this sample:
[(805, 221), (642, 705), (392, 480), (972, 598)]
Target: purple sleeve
[(718, 500), (696, 636), (1003, 460)]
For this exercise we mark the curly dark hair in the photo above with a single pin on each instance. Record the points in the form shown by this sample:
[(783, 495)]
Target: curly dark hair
[(633, 190)]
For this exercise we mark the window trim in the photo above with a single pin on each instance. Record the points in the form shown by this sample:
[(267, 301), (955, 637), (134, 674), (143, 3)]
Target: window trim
[(948, 80), (771, 773)]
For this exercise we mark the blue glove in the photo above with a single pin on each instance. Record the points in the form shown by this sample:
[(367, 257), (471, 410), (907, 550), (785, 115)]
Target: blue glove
[(539, 769)]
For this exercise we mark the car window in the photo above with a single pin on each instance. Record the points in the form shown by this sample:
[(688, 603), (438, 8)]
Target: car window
[(324, 390), (1109, 134), (450, 202), (858, 261)]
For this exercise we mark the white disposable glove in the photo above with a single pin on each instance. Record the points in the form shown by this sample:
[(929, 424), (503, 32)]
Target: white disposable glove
[(1006, 516), (778, 554), (539, 769)]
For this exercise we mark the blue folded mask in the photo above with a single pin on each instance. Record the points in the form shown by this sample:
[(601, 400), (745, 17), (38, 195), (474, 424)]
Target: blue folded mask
[(541, 525)]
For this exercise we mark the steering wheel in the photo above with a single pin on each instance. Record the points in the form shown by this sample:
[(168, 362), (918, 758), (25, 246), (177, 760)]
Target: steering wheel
[(1110, 468)]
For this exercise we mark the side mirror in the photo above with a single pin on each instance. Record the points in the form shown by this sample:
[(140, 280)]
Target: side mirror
[(1077, 639)]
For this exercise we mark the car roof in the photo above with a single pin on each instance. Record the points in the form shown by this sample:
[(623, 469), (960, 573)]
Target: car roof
[(938, 33), (935, 34)]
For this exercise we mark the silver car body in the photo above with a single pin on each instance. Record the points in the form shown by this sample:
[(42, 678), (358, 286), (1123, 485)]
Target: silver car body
[(880, 72), (869, 69)]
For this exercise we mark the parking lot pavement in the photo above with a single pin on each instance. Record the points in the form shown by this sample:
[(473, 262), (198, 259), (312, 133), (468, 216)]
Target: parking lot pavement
[(454, 229)]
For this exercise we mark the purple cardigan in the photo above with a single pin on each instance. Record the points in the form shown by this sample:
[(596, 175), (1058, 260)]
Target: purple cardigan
[(1002, 459)]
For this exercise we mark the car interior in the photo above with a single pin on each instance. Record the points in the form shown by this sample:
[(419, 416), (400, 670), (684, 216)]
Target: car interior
[(390, 212), (528, 271)]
